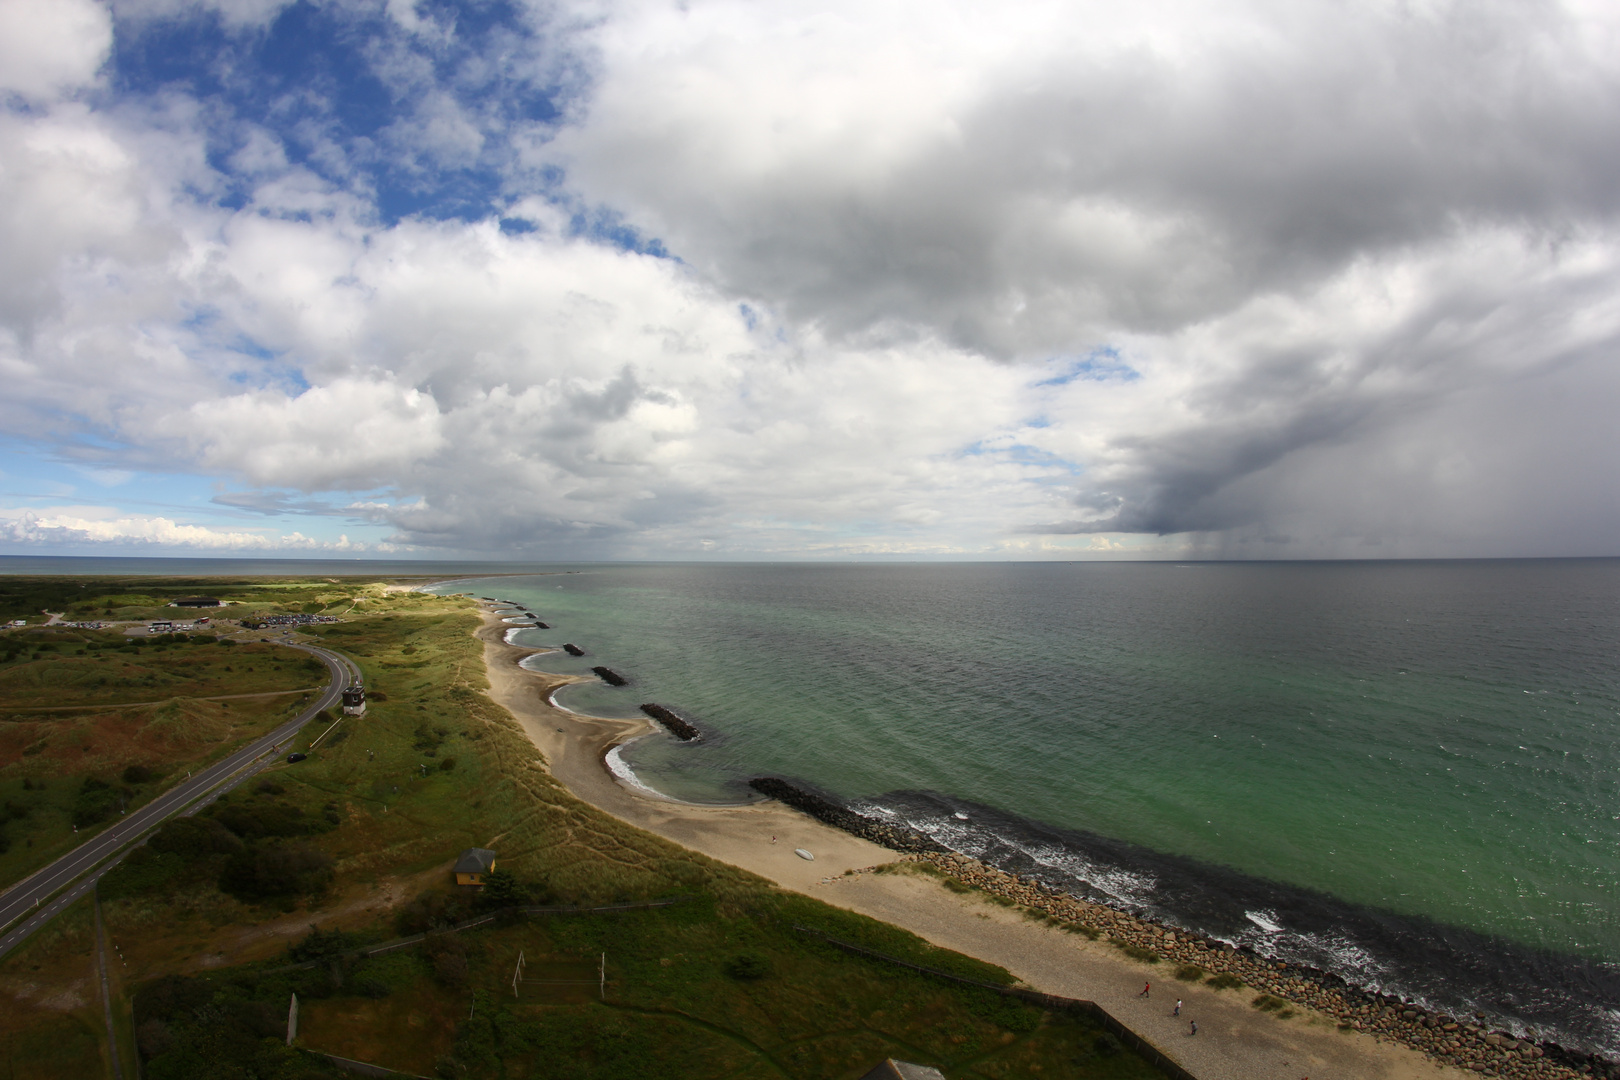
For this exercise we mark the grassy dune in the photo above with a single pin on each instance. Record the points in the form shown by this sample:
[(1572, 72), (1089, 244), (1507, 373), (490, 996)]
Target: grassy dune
[(719, 985), (81, 708)]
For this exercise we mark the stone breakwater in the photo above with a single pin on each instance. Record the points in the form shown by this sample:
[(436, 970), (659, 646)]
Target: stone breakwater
[(678, 726), (894, 837), (609, 676), (1464, 1043), (572, 650)]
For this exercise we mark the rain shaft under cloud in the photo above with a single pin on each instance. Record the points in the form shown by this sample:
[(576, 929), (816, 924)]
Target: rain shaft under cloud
[(648, 280)]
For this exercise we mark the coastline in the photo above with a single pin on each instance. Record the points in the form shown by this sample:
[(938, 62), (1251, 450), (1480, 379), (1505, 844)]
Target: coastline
[(1236, 1041)]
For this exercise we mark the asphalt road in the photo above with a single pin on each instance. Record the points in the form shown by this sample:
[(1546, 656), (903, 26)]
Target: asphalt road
[(30, 899)]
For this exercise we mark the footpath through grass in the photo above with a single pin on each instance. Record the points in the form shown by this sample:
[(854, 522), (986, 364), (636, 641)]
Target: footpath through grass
[(357, 841)]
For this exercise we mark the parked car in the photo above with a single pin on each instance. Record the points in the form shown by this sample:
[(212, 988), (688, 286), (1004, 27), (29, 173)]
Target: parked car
[(296, 757)]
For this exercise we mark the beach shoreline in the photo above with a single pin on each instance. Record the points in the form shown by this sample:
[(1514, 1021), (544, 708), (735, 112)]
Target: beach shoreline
[(1236, 1041)]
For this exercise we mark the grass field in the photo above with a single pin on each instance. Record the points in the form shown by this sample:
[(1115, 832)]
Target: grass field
[(357, 840), (51, 1025), (93, 724)]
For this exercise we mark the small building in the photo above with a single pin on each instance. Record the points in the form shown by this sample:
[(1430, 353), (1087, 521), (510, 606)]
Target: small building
[(891, 1069), (474, 863), (354, 700), (161, 626)]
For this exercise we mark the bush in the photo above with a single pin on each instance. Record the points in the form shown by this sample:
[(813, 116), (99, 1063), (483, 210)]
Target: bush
[(257, 822), (194, 838), (323, 945), (431, 910), (144, 871), (447, 764), (95, 802), (450, 969), (747, 967), (1190, 973), (137, 774), (1225, 981), (276, 870), (502, 888)]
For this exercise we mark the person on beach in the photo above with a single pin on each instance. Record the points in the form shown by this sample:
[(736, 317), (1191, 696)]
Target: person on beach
[(1177, 1010), (1192, 1027), (1145, 988)]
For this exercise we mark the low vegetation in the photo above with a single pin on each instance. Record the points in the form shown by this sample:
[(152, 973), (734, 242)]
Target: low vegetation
[(211, 922), (93, 725)]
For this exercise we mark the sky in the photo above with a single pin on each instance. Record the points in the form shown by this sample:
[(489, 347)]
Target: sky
[(879, 279)]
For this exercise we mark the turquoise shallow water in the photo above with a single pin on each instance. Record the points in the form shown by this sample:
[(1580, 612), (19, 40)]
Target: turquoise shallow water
[(1401, 753)]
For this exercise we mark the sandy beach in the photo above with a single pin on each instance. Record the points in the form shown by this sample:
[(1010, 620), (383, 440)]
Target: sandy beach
[(1234, 1041)]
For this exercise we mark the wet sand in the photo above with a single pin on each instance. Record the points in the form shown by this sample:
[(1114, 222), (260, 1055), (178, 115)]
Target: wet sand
[(1234, 1041)]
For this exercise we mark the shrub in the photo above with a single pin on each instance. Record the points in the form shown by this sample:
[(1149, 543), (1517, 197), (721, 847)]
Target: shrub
[(144, 871), (431, 910), (95, 802), (1225, 981), (137, 774), (747, 967), (323, 945), (450, 969), (276, 870), (502, 888), (1190, 973), (256, 822), (447, 764), (194, 838), (1267, 1003)]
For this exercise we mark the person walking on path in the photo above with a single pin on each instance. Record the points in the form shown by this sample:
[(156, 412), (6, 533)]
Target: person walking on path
[(1145, 988), (1193, 1027), (1177, 1010)]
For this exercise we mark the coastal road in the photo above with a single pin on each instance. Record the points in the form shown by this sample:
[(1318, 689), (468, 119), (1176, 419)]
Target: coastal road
[(27, 899)]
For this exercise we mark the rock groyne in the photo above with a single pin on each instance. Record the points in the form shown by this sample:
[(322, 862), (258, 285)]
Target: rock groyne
[(677, 725), (572, 650), (894, 837), (609, 676)]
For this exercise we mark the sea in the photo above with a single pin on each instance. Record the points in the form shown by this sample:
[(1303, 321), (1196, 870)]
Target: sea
[(1404, 773)]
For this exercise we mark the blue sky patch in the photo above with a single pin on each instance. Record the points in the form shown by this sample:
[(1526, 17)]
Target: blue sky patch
[(1099, 365), (416, 123)]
